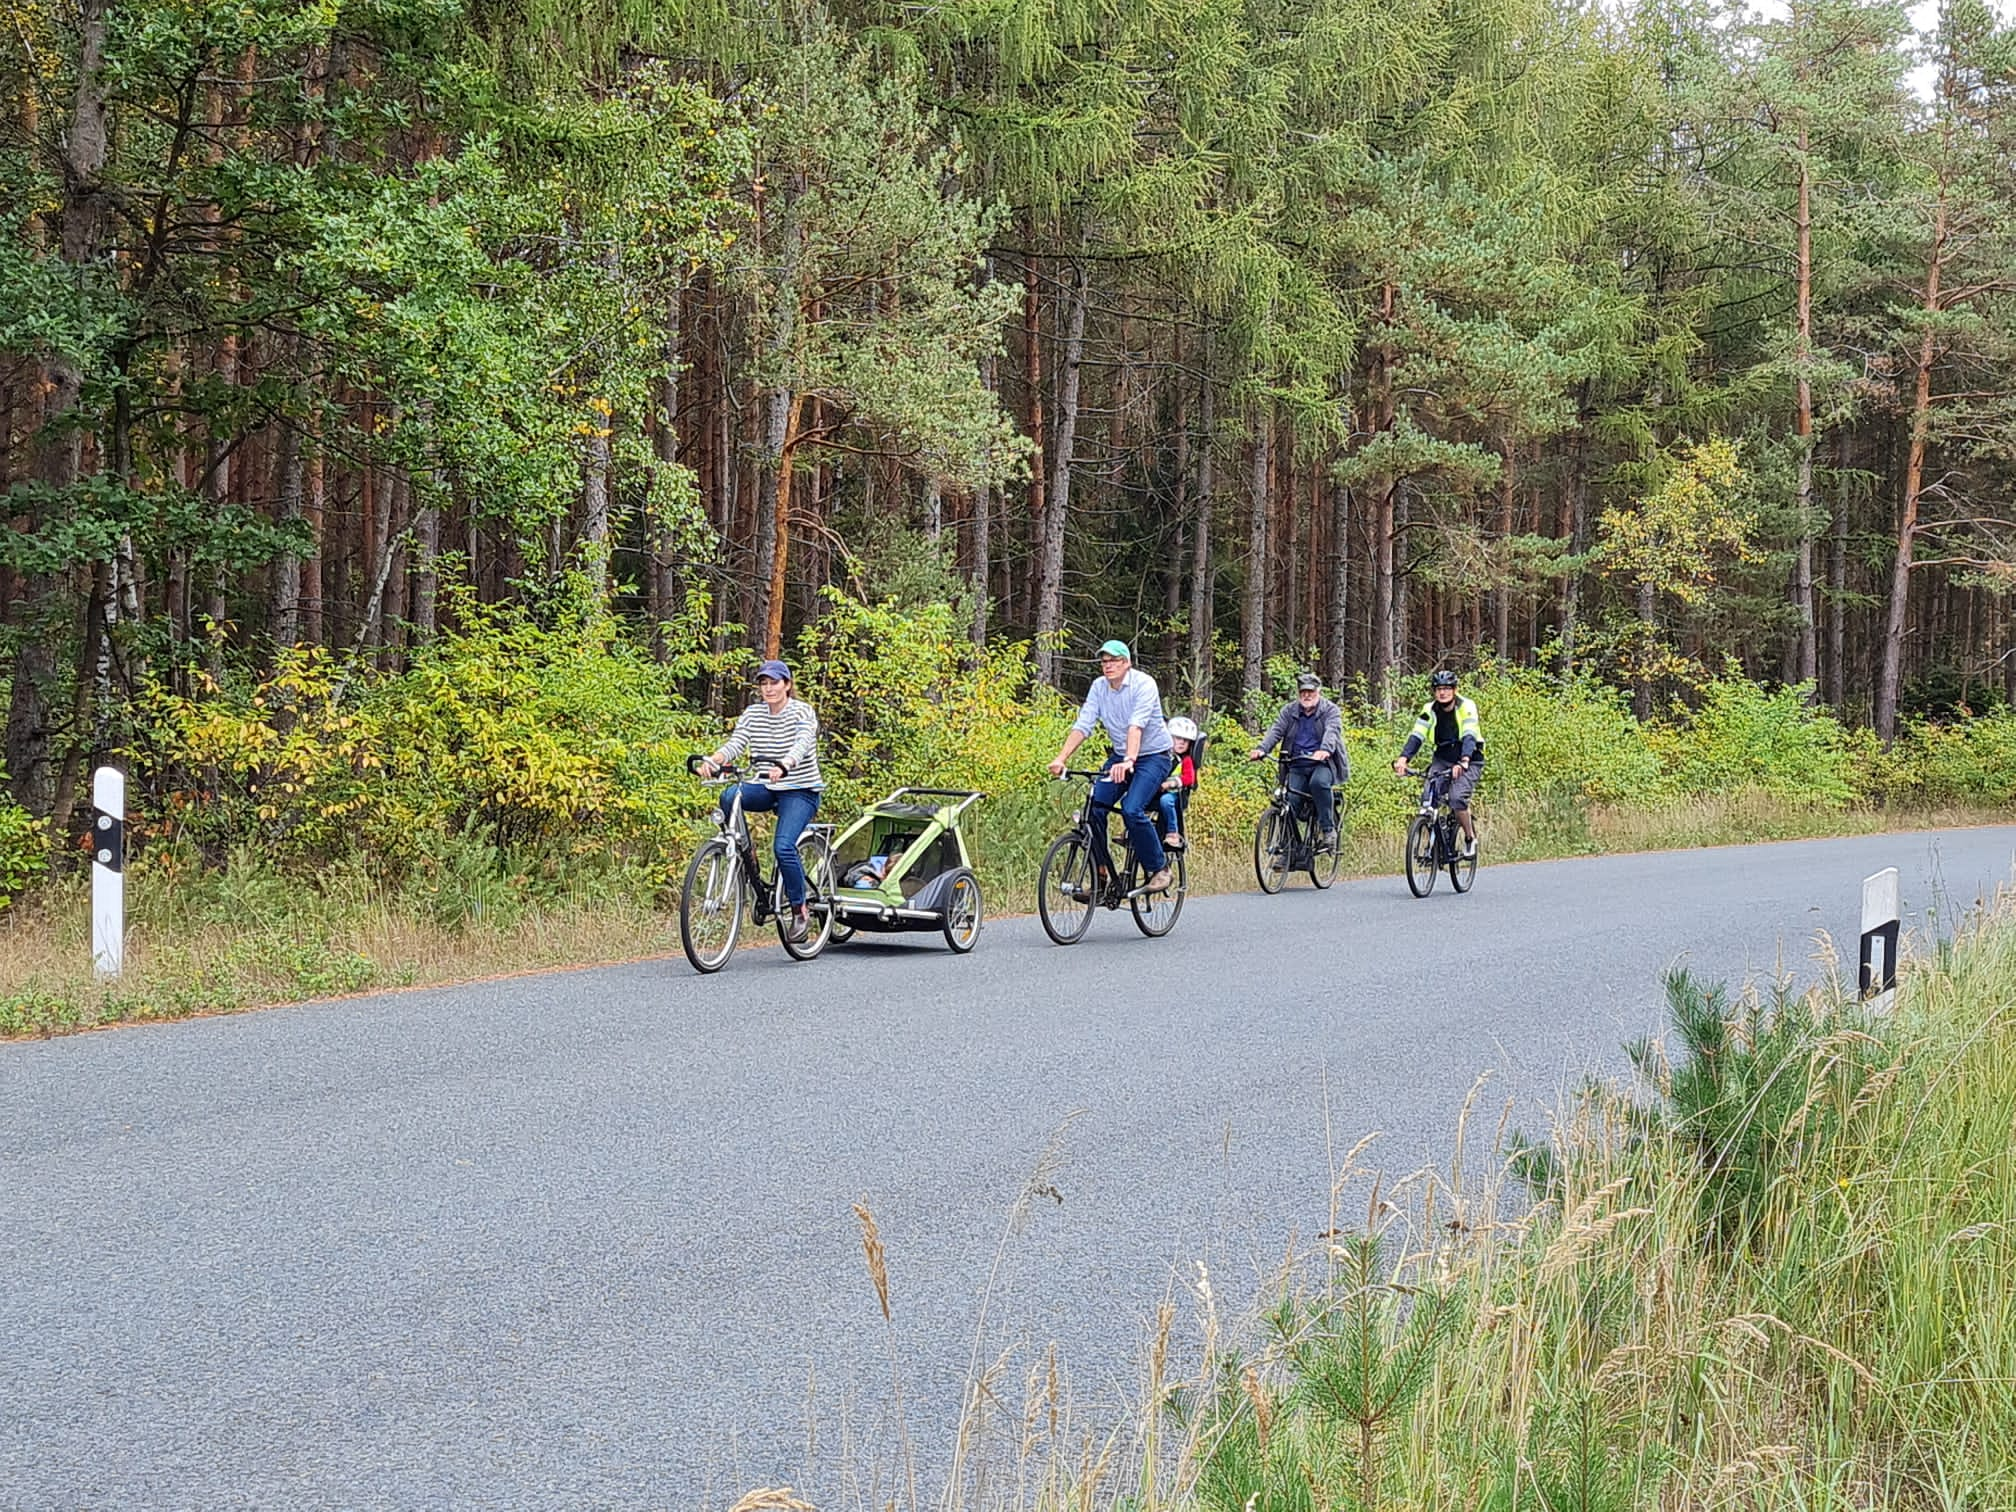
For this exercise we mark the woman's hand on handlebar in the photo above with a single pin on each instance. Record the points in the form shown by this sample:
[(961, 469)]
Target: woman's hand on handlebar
[(1256, 754), (1400, 768)]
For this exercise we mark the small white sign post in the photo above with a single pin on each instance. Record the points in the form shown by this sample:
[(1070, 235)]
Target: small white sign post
[(1880, 929), (108, 871)]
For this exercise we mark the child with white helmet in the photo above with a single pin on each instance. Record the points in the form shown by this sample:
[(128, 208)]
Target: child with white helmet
[(1183, 738)]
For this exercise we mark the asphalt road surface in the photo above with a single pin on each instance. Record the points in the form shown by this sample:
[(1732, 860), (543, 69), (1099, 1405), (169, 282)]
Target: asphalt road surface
[(586, 1239)]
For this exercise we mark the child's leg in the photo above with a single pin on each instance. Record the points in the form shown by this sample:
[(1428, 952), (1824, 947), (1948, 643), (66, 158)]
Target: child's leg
[(1171, 825)]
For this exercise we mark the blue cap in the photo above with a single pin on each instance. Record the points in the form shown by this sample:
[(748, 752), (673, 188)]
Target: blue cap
[(1116, 648), (774, 669)]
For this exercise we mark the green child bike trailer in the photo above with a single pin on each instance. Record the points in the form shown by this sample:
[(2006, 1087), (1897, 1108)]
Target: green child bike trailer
[(903, 866)]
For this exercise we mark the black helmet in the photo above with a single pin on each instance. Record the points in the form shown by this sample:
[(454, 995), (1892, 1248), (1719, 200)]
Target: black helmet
[(1442, 680)]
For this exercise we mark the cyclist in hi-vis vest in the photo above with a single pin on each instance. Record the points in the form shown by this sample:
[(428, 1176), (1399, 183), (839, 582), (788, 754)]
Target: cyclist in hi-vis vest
[(1449, 723)]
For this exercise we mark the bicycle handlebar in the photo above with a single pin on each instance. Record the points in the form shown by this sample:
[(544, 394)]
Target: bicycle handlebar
[(722, 775)]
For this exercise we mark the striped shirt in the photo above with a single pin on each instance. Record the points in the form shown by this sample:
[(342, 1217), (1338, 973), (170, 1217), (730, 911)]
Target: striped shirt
[(789, 737)]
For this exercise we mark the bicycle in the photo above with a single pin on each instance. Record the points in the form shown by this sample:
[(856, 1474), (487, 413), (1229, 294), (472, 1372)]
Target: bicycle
[(1287, 837), (1434, 841), (1068, 887), (726, 875)]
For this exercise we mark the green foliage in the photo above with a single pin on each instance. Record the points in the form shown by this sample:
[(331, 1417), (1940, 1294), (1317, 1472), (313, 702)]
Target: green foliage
[(1744, 736), (1679, 535), (24, 846), (1960, 761), (503, 733), (1359, 1360), (1751, 1089)]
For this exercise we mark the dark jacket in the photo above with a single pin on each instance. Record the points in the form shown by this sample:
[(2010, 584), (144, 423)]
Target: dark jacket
[(1331, 722)]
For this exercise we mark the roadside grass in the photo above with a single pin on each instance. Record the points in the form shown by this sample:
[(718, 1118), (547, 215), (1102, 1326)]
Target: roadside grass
[(1778, 1274), (208, 939)]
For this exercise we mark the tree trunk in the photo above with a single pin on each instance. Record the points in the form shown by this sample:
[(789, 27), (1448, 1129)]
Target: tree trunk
[(1399, 635), (314, 502), (59, 446), (1890, 677), (1574, 525), (1203, 571), (1508, 483), (1386, 600), (427, 562), (594, 537), (1807, 649), (1050, 582), (1032, 373), (780, 529), (983, 504), (1337, 656), (1253, 602), (1837, 581), (286, 608)]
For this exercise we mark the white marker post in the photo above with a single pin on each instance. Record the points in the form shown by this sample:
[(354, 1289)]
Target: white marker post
[(108, 871), (1880, 929)]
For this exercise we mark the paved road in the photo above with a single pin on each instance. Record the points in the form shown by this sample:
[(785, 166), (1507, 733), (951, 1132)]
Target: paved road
[(586, 1238)]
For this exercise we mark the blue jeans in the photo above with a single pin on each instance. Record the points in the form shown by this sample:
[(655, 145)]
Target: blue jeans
[(795, 808), (1135, 802), (1319, 783), (1172, 814)]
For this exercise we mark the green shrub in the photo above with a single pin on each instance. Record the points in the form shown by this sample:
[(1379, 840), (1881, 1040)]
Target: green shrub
[(1743, 736), (564, 737), (1962, 761), (24, 846)]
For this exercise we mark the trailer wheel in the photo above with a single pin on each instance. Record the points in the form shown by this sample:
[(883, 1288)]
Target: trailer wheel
[(962, 911)]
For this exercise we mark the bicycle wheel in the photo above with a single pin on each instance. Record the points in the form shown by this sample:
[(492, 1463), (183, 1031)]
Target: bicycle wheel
[(1155, 914), (1462, 868), (962, 912), (710, 906), (1323, 858), (816, 856), (1271, 838), (1066, 889), (1422, 856)]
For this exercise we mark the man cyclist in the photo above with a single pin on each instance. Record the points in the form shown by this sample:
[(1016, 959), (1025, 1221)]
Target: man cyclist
[(1450, 721), (1127, 703), (1311, 725)]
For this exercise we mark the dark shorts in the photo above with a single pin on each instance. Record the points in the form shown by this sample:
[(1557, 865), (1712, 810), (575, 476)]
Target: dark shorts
[(1459, 788)]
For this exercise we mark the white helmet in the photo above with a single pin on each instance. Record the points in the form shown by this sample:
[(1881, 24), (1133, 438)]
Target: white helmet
[(1183, 729)]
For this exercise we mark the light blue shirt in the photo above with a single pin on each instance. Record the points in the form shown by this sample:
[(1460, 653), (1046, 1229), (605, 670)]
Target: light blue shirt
[(1137, 701)]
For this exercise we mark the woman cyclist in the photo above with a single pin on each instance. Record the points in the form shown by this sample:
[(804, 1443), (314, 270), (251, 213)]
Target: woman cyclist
[(780, 736)]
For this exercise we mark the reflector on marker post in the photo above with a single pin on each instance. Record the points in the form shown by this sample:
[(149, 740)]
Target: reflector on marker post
[(108, 871), (1880, 931)]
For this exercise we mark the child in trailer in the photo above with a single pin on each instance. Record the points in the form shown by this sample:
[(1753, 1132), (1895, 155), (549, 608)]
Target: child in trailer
[(1183, 738)]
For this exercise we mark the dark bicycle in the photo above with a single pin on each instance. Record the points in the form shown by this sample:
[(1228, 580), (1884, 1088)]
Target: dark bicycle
[(1435, 841), (1068, 887), (1288, 838), (726, 877)]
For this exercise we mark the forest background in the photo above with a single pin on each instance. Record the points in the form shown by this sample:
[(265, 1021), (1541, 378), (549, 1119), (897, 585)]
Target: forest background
[(418, 414)]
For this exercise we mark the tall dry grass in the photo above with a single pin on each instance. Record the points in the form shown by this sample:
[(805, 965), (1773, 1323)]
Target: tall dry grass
[(1655, 1330)]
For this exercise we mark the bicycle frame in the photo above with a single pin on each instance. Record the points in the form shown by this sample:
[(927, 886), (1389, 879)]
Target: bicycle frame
[(1092, 816), (733, 826)]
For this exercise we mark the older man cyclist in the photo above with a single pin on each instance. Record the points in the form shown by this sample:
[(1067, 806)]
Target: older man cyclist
[(1125, 701)]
